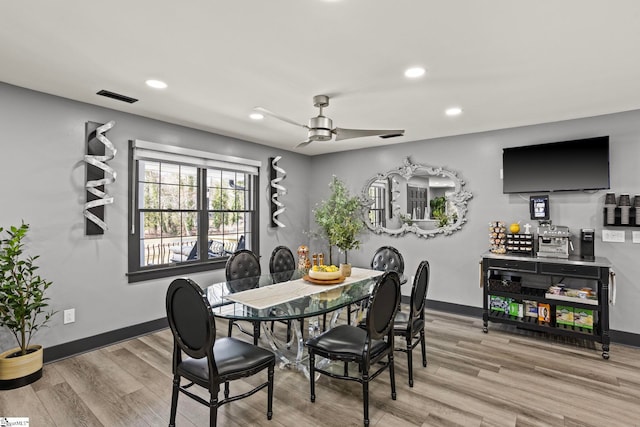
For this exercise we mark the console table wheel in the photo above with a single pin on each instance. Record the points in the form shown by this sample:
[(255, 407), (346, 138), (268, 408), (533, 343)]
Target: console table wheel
[(605, 355), (485, 329)]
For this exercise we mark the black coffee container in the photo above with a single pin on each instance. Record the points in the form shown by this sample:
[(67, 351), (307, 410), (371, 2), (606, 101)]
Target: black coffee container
[(587, 240)]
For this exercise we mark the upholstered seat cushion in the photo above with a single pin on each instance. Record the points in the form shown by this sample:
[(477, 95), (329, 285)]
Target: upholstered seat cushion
[(232, 357), (345, 340), (400, 324)]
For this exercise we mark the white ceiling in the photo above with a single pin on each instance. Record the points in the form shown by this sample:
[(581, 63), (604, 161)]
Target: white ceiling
[(507, 63)]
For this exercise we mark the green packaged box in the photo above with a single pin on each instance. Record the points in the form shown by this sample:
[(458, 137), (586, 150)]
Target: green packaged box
[(516, 309), (498, 303), (583, 318), (564, 315)]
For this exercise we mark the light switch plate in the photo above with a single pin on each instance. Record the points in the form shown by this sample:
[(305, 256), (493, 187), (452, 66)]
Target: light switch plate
[(636, 237), (615, 236)]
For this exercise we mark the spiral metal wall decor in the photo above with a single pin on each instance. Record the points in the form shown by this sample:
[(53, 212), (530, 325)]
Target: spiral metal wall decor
[(98, 174), (277, 207)]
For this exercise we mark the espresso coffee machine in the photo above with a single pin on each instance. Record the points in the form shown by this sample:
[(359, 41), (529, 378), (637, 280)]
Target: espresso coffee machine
[(553, 241), (587, 238)]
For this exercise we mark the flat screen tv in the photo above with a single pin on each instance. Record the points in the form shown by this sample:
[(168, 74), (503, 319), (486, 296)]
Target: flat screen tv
[(581, 164)]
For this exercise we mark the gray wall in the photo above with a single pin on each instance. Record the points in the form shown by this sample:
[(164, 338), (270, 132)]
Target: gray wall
[(478, 159), (42, 173), (42, 176)]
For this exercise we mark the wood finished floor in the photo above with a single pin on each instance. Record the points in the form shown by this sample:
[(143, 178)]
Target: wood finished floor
[(504, 378)]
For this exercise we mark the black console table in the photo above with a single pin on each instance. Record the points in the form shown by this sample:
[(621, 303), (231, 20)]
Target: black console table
[(517, 278)]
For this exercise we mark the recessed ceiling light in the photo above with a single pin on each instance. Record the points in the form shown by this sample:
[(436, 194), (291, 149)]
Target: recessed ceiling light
[(414, 72), (156, 84), (256, 116), (453, 111)]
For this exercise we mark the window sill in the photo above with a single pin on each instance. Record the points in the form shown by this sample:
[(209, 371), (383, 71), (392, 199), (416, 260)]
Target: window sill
[(176, 270)]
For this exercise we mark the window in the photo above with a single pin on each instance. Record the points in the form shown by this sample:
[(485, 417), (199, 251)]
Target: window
[(189, 209), (377, 215)]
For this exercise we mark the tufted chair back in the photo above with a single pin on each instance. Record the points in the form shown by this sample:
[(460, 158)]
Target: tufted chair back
[(242, 271), (282, 264), (388, 258)]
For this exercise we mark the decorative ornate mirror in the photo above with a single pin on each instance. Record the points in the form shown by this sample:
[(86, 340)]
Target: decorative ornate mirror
[(415, 198)]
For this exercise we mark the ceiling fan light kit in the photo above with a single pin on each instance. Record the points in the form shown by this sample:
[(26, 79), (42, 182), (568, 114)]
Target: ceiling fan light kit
[(320, 128)]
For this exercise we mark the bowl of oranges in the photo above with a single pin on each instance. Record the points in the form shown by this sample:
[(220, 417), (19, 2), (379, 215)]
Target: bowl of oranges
[(324, 272)]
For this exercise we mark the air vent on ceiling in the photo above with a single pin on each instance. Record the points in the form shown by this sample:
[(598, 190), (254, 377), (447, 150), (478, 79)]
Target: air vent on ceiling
[(391, 135), (116, 96)]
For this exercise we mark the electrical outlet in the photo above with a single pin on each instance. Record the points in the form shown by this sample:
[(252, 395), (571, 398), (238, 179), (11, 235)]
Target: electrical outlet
[(615, 236), (636, 236), (69, 315)]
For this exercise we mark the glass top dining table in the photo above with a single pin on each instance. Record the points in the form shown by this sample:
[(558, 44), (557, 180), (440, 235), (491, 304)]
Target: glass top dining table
[(289, 295)]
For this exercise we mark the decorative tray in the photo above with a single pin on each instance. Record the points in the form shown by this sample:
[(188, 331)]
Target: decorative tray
[(324, 282)]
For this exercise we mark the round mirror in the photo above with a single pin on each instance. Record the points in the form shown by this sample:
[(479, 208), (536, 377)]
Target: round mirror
[(415, 198)]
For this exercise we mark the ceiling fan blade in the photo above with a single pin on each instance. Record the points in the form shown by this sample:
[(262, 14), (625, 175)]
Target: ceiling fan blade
[(303, 143), (359, 133), (279, 117)]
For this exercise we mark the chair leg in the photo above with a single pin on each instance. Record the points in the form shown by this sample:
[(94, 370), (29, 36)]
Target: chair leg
[(288, 330), (312, 374), (256, 332), (392, 376), (174, 400), (365, 395), (424, 348), (349, 314), (213, 407), (226, 390), (230, 327), (410, 360), (270, 392)]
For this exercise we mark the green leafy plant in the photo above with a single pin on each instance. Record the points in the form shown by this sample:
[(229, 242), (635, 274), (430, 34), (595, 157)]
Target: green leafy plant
[(22, 299), (438, 210), (339, 218)]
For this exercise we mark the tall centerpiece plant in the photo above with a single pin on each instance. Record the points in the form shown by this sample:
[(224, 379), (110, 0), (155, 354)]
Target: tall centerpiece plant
[(22, 291), (339, 218)]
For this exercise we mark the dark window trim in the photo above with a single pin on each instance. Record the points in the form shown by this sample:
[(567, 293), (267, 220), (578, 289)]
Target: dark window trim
[(138, 274)]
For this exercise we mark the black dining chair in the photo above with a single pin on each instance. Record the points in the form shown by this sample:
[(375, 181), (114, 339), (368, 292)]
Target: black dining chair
[(367, 346), (410, 325), (242, 273), (210, 362), (282, 265), (388, 258), (385, 258)]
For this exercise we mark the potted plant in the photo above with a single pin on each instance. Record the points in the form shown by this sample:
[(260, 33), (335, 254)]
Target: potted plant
[(439, 210), (340, 220), (22, 310)]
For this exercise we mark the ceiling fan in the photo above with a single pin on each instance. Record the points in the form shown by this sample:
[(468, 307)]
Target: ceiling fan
[(320, 128)]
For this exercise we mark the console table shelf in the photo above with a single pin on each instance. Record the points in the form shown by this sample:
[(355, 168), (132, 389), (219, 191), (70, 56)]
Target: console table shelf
[(530, 267), (537, 325)]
